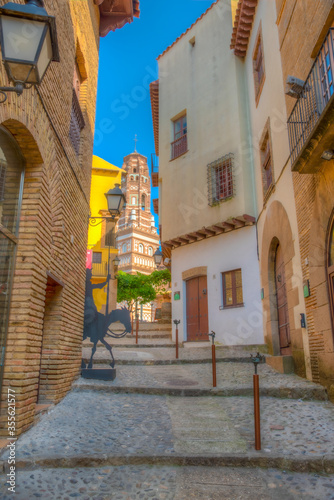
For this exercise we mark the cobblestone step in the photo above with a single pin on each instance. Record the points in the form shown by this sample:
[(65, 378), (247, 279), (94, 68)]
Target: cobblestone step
[(172, 482), (316, 463), (273, 392), (158, 362)]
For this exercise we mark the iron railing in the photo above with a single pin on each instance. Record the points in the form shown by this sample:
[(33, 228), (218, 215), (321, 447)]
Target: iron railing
[(316, 93), (100, 270), (179, 147)]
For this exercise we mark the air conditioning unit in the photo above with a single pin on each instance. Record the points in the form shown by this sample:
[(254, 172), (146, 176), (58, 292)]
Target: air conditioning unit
[(296, 87)]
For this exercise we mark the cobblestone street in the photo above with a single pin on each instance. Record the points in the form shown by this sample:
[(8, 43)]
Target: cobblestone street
[(160, 431)]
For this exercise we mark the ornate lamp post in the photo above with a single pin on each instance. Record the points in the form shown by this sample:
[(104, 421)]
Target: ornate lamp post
[(28, 44)]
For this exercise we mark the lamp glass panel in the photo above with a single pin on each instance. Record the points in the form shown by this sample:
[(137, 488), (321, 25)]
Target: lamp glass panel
[(113, 202), (45, 56), (20, 72), (21, 38)]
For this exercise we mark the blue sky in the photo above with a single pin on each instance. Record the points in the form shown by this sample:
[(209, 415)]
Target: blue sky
[(127, 66)]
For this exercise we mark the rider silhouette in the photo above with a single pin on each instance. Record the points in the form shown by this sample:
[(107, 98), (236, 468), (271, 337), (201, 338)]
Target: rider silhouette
[(91, 312)]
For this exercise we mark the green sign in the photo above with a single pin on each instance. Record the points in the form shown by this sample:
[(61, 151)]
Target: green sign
[(177, 295)]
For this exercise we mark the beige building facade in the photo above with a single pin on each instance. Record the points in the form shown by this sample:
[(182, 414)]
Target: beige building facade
[(278, 238)]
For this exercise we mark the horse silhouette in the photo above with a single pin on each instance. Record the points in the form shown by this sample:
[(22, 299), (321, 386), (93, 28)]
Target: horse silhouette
[(97, 325)]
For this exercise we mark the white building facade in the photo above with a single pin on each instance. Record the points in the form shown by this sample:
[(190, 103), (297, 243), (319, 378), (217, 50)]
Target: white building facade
[(207, 196)]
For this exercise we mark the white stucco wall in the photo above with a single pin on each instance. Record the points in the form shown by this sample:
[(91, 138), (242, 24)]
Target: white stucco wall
[(235, 250), (205, 81)]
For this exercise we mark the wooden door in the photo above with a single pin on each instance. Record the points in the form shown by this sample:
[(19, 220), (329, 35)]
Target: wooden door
[(197, 309), (282, 304)]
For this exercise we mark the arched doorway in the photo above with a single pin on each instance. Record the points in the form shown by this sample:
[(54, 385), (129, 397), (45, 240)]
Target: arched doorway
[(11, 188), (330, 267), (282, 304)]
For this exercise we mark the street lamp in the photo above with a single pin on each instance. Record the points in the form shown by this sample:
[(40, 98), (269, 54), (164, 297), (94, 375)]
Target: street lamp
[(116, 203), (28, 43), (158, 257), (116, 200)]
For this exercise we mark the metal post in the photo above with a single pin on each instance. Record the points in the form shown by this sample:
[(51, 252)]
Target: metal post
[(257, 412), (137, 324), (177, 322), (256, 386), (132, 323), (214, 369), (108, 283)]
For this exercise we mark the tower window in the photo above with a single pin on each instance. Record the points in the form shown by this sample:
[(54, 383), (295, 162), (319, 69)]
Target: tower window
[(143, 202)]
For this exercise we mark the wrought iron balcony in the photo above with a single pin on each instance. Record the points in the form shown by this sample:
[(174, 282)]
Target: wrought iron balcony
[(310, 118), (100, 270), (155, 170), (179, 147)]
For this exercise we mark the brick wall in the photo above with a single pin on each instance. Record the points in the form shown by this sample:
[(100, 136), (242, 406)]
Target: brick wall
[(43, 352), (302, 26)]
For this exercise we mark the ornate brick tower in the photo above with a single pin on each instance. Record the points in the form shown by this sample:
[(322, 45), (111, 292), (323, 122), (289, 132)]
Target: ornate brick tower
[(137, 237)]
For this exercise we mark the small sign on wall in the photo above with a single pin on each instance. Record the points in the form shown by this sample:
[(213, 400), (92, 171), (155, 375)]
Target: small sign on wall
[(306, 287), (177, 295)]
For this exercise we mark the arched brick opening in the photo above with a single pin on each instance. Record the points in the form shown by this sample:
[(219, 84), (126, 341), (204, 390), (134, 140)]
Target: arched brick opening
[(320, 325), (26, 351), (277, 230)]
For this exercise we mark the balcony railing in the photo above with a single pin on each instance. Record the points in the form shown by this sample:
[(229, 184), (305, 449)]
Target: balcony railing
[(179, 147), (316, 93), (100, 270), (155, 170)]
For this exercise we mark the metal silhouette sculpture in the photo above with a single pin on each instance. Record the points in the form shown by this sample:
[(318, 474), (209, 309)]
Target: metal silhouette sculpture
[(97, 325)]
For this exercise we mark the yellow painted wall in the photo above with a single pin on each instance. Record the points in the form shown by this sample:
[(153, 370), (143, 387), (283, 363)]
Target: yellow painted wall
[(104, 177)]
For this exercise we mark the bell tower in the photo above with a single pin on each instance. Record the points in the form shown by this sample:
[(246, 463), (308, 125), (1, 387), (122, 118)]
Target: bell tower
[(137, 238)]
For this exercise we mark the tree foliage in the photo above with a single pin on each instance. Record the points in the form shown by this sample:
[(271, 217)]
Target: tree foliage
[(141, 288)]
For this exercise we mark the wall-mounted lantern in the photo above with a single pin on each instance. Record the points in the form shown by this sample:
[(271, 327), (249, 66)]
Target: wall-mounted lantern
[(158, 257), (28, 39)]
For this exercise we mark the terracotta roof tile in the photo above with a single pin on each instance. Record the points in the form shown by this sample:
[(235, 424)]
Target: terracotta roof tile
[(242, 28), (154, 91)]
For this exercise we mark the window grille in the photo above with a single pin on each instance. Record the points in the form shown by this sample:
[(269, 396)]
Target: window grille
[(221, 179), (77, 123)]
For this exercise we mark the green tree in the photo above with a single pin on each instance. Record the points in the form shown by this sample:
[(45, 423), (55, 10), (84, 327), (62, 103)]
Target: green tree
[(134, 289)]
